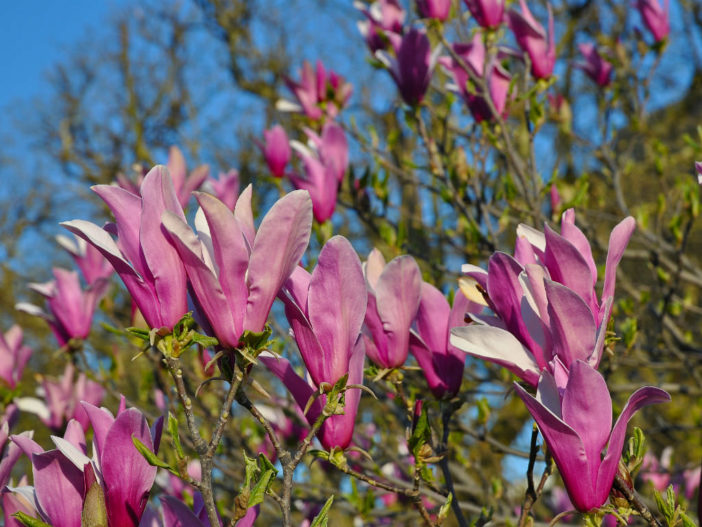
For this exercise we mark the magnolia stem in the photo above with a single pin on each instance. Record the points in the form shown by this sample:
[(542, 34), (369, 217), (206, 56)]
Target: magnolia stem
[(640, 506), (532, 493), (443, 448)]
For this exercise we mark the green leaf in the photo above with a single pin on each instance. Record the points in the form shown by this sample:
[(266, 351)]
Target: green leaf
[(151, 458), (94, 513), (259, 491), (445, 508), (323, 517), (28, 521), (421, 432), (175, 435), (204, 340)]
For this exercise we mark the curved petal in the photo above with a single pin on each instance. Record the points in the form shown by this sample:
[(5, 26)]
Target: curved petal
[(177, 514), (59, 488), (244, 215), (618, 240), (296, 385), (433, 317), (373, 267)]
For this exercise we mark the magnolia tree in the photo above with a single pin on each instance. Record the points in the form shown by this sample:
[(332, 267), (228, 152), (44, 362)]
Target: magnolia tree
[(412, 321)]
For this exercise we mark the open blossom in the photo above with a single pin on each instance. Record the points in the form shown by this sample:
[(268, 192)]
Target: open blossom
[(488, 13), (412, 68), (576, 423), (437, 9), (225, 188), (276, 150), (325, 310), (143, 256), (70, 308), (183, 183), (393, 300), (325, 161), (116, 477), (91, 263), (547, 314), (13, 356), (440, 361), (493, 74), (383, 25), (596, 67), (319, 93), (533, 39), (235, 271), (62, 399), (655, 17)]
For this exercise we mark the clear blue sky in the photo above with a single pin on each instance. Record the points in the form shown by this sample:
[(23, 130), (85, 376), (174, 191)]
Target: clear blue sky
[(33, 36)]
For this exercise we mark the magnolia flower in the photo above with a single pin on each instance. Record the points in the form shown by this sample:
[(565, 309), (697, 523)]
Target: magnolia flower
[(487, 13), (655, 17), (318, 93), (114, 482), (412, 68), (235, 271), (184, 183), (437, 9), (225, 188), (533, 40), (325, 162), (276, 150), (91, 263), (493, 74), (325, 310), (13, 356), (577, 427), (383, 24), (547, 314), (393, 300), (70, 308), (143, 256), (596, 67), (440, 361)]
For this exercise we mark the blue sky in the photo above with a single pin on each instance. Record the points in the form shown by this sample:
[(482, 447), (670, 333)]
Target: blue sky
[(33, 36)]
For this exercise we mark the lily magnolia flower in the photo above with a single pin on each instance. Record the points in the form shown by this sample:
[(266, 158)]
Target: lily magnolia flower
[(440, 361), (70, 309), (533, 39), (655, 17), (183, 183), (117, 478), (276, 150), (319, 93), (393, 300), (325, 161), (547, 314), (495, 77), (383, 25), (143, 256), (225, 188), (13, 356), (325, 311), (577, 427), (411, 69), (235, 271), (596, 67), (436, 9), (487, 13), (91, 263)]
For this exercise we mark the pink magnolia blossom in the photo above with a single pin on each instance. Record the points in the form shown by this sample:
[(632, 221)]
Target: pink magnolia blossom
[(62, 477), (276, 150), (487, 13), (576, 423), (13, 356), (655, 17), (533, 39), (90, 261), (325, 161), (183, 183), (143, 255), (436, 9), (319, 93), (393, 300), (412, 68), (496, 78), (547, 314), (325, 310), (383, 25), (440, 361), (70, 308), (698, 169), (235, 271), (225, 188), (596, 67)]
